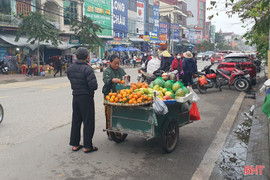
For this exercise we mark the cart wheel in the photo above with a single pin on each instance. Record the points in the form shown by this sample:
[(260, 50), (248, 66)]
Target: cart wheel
[(1, 113), (118, 137), (170, 136)]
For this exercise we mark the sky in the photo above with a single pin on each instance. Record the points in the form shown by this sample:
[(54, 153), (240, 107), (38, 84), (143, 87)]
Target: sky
[(223, 22)]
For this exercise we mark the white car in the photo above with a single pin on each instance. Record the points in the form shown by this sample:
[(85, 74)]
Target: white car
[(200, 55)]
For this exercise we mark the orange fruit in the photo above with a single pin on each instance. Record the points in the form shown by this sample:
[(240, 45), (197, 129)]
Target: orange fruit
[(119, 96), (130, 101), (128, 91), (115, 94), (116, 99), (122, 82), (139, 101), (124, 99), (110, 94), (139, 94), (149, 98), (145, 97), (134, 102), (136, 96), (113, 97), (107, 97), (112, 100)]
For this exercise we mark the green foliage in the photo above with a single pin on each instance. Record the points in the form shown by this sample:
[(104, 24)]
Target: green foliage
[(37, 27), (207, 46), (87, 31), (252, 10)]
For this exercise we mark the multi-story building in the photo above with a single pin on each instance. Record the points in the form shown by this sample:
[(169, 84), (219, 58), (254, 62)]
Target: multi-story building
[(173, 12), (197, 22)]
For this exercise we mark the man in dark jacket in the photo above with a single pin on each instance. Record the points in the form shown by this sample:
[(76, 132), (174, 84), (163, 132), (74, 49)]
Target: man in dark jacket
[(83, 83), (58, 66)]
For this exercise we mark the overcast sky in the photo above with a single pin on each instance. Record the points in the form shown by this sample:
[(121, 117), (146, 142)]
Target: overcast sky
[(223, 22)]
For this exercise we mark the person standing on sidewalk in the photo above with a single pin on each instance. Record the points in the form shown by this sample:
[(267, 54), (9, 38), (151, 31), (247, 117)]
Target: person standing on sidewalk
[(189, 68), (83, 83), (58, 65), (29, 64)]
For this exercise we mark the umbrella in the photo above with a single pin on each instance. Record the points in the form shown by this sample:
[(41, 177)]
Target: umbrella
[(132, 49), (118, 48)]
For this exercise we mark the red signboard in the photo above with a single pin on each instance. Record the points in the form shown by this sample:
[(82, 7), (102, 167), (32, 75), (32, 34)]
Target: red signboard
[(163, 37)]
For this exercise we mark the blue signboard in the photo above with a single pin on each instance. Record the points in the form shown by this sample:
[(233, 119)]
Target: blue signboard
[(175, 32), (120, 18), (154, 35)]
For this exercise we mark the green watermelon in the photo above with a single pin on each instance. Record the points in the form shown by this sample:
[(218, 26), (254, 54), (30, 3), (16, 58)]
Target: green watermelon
[(185, 89), (180, 93), (159, 81), (169, 84), (176, 86)]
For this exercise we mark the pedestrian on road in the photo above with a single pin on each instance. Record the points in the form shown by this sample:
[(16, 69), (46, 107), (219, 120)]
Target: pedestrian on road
[(58, 65), (189, 68), (29, 64), (111, 76), (83, 83)]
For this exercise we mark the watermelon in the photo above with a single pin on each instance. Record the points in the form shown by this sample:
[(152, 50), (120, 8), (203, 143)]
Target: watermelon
[(169, 84), (159, 81), (185, 89), (176, 86), (180, 93)]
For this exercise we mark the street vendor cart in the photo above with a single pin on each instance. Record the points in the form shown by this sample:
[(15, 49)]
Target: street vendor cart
[(143, 121)]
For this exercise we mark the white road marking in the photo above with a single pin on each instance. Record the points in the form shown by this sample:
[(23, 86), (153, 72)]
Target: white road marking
[(207, 165)]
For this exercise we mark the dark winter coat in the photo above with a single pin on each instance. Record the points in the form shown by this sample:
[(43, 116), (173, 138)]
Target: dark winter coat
[(189, 65), (165, 64), (82, 79)]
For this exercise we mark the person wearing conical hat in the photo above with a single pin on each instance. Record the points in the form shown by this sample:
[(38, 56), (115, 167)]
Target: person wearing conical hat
[(189, 68)]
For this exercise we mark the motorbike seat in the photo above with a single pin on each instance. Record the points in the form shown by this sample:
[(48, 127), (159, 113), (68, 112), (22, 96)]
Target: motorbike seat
[(225, 72)]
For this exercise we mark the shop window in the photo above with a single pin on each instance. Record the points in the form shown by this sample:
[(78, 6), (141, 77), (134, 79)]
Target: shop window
[(132, 5), (70, 12), (23, 7), (5, 7)]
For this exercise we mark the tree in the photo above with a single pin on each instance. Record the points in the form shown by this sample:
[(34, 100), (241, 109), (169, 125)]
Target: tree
[(205, 46), (37, 27), (255, 10), (87, 31)]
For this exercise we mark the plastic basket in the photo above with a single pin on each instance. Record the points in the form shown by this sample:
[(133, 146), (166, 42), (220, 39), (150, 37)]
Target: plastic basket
[(121, 86)]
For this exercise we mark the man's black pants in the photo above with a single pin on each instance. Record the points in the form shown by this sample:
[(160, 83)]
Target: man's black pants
[(83, 112), (58, 69)]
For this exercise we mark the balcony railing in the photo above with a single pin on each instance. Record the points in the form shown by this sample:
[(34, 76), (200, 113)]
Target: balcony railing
[(9, 20)]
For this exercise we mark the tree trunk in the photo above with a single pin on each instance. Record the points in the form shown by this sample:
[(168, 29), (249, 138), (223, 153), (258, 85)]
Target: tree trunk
[(38, 60)]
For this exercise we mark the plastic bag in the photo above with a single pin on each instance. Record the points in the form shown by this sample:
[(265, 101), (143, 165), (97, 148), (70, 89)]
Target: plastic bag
[(159, 106), (266, 106), (195, 96), (202, 80), (194, 112)]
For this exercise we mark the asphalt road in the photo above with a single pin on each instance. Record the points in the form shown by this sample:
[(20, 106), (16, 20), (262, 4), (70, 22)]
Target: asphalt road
[(34, 137)]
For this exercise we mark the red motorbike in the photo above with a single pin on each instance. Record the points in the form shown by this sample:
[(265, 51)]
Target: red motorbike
[(237, 78)]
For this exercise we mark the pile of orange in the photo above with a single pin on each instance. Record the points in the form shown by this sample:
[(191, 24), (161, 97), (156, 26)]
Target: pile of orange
[(127, 96), (138, 85)]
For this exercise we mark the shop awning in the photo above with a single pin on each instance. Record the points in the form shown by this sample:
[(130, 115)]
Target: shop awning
[(23, 42), (135, 39)]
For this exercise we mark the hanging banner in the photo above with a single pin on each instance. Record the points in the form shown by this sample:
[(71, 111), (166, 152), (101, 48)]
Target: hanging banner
[(120, 18), (155, 32), (100, 13), (140, 17)]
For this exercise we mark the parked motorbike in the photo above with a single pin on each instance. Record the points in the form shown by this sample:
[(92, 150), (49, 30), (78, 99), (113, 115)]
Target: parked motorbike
[(211, 80), (238, 78), (3, 69), (1, 113)]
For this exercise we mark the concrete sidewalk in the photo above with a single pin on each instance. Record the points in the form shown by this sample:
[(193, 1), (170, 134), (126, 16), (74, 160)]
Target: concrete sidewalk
[(259, 142)]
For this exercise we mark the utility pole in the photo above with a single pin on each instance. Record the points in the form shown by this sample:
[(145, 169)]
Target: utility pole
[(169, 32)]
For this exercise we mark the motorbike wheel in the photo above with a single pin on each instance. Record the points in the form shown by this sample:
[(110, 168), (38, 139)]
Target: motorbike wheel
[(1, 113), (241, 84), (201, 89), (118, 137)]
